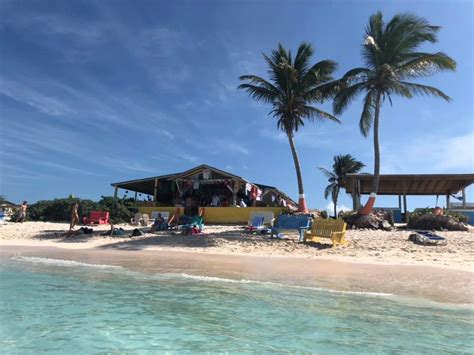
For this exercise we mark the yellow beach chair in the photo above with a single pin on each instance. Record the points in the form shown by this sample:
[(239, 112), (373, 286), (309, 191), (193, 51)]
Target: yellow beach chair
[(334, 229)]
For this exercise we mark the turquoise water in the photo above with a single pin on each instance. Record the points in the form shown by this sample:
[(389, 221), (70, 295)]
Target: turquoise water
[(69, 307)]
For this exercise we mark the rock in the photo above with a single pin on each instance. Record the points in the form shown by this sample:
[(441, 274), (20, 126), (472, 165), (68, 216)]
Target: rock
[(431, 222), (375, 220)]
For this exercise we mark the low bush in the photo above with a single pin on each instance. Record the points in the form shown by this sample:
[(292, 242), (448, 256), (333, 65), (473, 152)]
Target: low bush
[(59, 210)]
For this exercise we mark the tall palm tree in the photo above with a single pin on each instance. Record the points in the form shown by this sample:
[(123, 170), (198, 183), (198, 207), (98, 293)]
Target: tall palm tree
[(293, 87), (337, 178), (391, 55)]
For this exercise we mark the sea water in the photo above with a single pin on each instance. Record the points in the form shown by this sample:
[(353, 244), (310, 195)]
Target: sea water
[(60, 306)]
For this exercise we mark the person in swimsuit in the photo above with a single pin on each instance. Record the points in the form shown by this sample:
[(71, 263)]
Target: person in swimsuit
[(22, 214), (74, 216)]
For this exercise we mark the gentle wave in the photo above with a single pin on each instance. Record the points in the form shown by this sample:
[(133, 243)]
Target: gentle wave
[(309, 288), (62, 262)]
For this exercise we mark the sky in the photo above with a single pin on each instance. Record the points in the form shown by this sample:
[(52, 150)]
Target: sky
[(95, 92)]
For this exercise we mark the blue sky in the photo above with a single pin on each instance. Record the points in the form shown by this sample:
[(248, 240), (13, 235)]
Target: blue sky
[(96, 92)]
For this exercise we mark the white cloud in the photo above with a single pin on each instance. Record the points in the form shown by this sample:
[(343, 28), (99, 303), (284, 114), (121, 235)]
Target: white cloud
[(430, 154), (330, 208), (27, 95)]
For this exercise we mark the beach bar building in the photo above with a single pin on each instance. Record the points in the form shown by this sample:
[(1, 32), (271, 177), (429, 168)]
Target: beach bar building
[(214, 193), (402, 185)]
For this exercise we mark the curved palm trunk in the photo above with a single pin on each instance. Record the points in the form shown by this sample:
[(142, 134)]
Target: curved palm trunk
[(375, 184), (302, 200), (336, 196)]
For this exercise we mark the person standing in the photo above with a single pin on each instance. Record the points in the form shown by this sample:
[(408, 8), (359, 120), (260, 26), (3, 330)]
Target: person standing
[(22, 213), (74, 216)]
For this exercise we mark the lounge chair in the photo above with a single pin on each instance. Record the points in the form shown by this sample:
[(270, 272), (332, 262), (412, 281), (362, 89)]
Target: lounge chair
[(97, 217), (136, 220), (284, 222), (268, 217), (334, 229), (145, 219), (256, 223)]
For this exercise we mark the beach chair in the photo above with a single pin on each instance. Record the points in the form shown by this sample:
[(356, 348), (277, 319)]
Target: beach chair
[(136, 220), (145, 219), (284, 222), (268, 217), (97, 217), (334, 229), (256, 223)]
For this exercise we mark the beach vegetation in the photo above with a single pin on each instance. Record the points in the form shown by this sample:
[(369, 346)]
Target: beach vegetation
[(294, 86), (392, 58), (337, 177), (59, 210)]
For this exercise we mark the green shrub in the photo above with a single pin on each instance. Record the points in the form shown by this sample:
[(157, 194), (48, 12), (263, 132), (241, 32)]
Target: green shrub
[(59, 210), (418, 212), (121, 210)]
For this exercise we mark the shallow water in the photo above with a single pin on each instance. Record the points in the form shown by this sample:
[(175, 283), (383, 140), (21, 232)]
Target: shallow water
[(63, 306)]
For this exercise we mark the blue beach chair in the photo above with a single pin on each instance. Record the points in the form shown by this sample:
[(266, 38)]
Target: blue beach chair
[(284, 222)]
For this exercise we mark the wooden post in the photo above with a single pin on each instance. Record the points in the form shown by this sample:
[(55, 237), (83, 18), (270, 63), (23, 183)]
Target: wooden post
[(116, 192), (405, 209), (155, 191), (447, 202), (464, 198), (136, 196), (400, 202)]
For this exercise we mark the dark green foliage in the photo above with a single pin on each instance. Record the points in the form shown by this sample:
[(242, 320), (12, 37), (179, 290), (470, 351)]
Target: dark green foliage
[(59, 210), (323, 214), (419, 212), (337, 178), (121, 210)]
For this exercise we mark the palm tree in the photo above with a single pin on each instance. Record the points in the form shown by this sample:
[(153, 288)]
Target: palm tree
[(293, 87), (391, 57), (343, 165)]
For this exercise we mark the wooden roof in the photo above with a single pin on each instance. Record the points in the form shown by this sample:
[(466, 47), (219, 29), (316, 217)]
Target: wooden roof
[(147, 185), (410, 184)]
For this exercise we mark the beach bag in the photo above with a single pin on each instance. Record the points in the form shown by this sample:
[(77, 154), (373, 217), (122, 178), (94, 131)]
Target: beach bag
[(137, 232), (118, 231)]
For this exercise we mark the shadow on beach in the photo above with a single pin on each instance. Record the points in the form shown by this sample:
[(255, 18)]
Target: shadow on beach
[(208, 240)]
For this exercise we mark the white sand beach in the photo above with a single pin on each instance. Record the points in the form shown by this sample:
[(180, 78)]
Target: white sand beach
[(364, 246)]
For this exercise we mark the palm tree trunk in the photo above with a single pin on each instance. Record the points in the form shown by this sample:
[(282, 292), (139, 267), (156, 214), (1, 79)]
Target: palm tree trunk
[(336, 195), (375, 186), (375, 183), (302, 200)]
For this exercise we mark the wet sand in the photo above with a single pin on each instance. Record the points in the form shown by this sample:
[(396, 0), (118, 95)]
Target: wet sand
[(434, 283)]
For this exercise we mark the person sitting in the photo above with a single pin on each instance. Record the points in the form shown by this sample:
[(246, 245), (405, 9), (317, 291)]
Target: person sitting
[(159, 224), (242, 203), (225, 202), (216, 201)]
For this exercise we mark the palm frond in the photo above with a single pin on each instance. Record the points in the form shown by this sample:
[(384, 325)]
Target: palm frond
[(259, 93), (317, 114), (328, 190), (326, 173), (426, 64), (367, 116), (346, 95), (419, 89)]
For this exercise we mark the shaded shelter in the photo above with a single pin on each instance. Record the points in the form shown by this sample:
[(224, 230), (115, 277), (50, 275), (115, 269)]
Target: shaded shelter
[(402, 185)]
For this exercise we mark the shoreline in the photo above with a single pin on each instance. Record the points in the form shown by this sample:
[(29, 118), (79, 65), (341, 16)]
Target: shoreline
[(412, 281)]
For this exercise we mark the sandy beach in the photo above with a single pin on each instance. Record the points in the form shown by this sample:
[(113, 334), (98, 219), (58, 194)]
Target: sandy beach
[(373, 261), (364, 246)]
